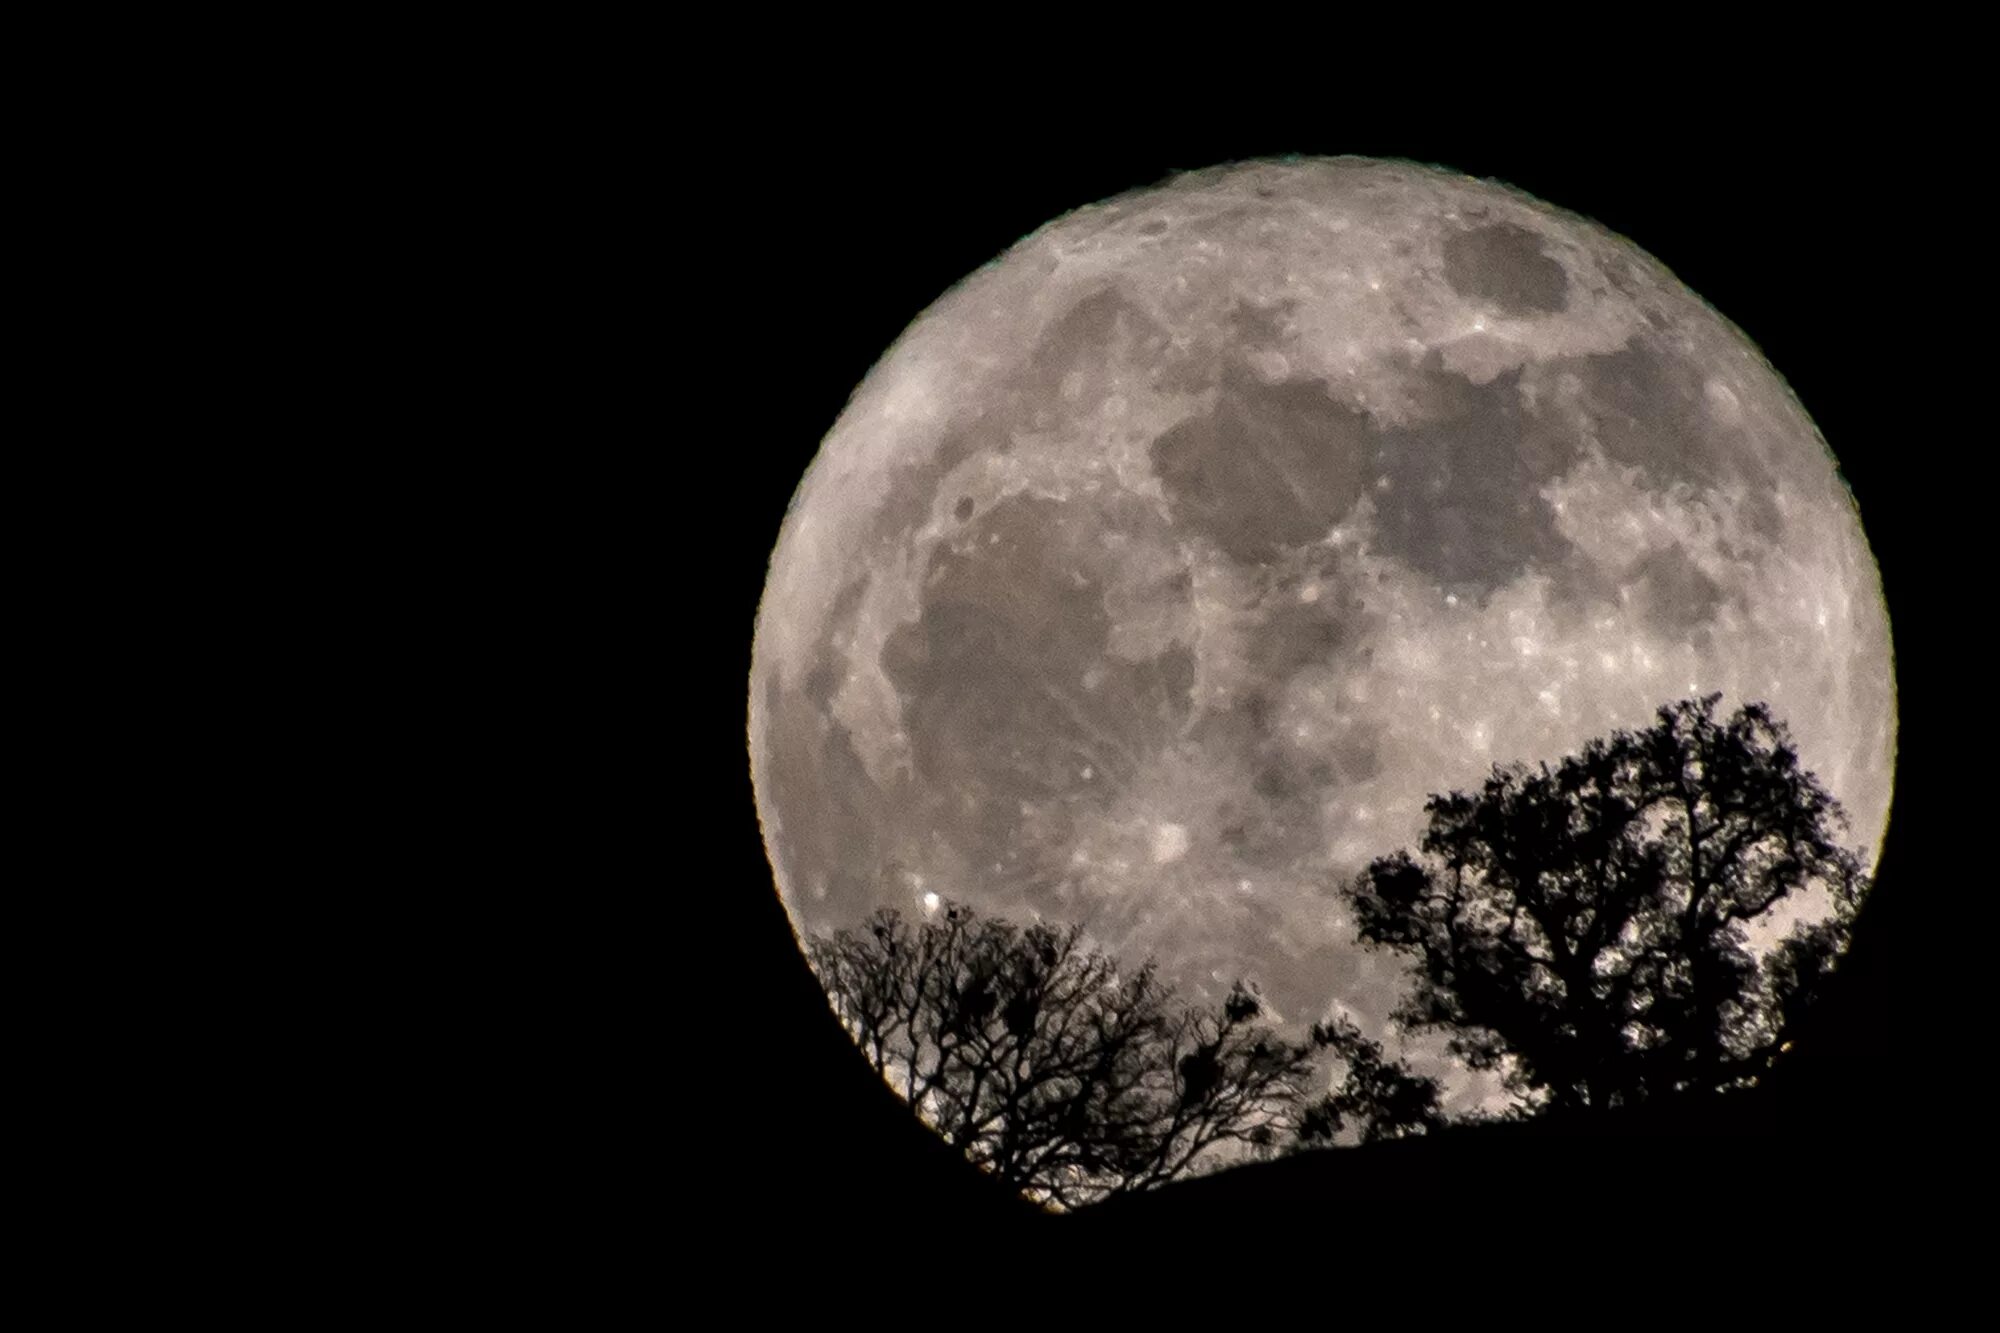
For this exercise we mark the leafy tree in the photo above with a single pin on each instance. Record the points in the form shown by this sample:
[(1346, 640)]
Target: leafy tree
[(1378, 1097), (1068, 1078), (1586, 929)]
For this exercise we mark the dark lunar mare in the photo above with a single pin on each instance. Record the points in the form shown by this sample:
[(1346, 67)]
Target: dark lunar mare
[(1009, 696), (1505, 265)]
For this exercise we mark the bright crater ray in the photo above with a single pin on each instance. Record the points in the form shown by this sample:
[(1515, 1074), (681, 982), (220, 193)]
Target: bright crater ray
[(1164, 566)]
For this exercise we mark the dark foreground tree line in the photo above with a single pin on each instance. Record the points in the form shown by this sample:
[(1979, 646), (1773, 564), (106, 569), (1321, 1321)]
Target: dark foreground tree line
[(1582, 929)]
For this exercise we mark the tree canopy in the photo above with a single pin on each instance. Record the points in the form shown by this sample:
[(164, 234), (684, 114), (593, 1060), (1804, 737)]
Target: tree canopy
[(1377, 1097), (1047, 1064), (1586, 929)]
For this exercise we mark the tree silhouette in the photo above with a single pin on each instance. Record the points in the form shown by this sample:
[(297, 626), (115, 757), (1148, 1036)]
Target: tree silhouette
[(1045, 1063), (1585, 929), (1379, 1097)]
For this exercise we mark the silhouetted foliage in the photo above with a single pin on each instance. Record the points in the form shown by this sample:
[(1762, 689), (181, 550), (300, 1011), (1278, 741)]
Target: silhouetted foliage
[(1584, 929), (1379, 1097), (1067, 1077)]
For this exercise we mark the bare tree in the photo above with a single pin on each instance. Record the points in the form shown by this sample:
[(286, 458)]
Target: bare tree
[(1069, 1078)]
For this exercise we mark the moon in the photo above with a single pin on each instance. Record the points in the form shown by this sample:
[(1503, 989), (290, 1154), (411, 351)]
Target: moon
[(1163, 567)]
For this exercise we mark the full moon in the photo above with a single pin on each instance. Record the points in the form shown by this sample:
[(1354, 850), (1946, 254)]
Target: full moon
[(1163, 567)]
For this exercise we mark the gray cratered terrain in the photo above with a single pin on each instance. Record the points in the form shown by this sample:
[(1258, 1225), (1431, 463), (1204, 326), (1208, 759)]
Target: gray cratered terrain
[(1164, 566)]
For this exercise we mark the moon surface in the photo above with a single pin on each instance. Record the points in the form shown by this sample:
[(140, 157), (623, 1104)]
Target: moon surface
[(1164, 566)]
